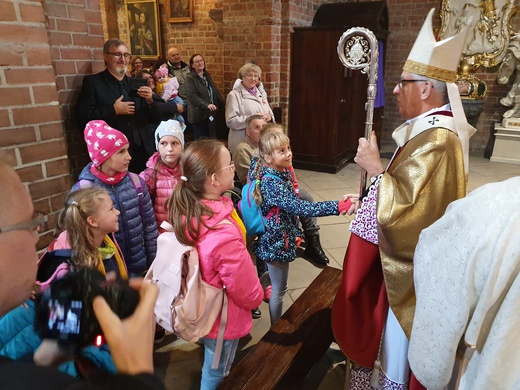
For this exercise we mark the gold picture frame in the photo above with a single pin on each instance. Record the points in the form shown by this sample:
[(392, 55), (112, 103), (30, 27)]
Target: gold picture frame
[(179, 11), (143, 28)]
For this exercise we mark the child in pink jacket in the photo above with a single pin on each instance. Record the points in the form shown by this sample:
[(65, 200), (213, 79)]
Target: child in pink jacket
[(204, 218), (162, 171)]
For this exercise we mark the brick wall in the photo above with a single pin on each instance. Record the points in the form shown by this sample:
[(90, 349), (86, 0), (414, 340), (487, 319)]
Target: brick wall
[(76, 40), (31, 133)]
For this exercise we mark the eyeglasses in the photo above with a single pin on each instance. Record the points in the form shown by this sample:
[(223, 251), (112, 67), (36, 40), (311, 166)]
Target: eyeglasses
[(251, 76), (400, 83), (231, 167), (36, 224), (118, 55)]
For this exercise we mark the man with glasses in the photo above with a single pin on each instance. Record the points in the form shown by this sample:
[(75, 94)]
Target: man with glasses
[(112, 97), (374, 309), (130, 341)]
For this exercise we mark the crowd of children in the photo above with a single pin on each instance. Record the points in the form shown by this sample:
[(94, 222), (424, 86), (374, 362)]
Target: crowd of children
[(112, 217)]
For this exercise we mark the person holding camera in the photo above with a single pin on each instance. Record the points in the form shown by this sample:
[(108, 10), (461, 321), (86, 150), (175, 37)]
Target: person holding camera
[(130, 340), (88, 220)]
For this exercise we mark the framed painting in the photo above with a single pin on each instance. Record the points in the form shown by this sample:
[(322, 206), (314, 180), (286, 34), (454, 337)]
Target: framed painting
[(179, 11), (143, 28)]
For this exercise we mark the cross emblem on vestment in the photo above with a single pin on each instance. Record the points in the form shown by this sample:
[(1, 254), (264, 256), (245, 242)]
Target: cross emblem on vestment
[(433, 120)]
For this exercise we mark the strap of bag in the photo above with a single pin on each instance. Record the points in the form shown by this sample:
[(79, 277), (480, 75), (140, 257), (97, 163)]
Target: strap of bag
[(221, 330), (223, 321), (136, 181)]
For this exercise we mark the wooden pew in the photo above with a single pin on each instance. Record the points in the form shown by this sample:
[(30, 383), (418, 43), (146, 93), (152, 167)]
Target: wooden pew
[(294, 344)]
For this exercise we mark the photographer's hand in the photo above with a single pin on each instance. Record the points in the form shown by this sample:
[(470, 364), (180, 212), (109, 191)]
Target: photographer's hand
[(130, 340)]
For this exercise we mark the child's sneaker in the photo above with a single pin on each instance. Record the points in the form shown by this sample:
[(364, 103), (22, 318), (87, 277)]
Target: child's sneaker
[(160, 334), (265, 281), (267, 293)]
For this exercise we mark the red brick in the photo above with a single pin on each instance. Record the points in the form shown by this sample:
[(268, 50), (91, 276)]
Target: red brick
[(38, 55), (9, 156), (95, 29), (17, 136), (29, 76), (31, 173), (38, 114), (58, 200), (45, 94), (57, 167), (9, 56), (14, 96), (49, 187), (42, 151), (65, 67), (74, 53), (7, 11), (76, 12), (30, 34), (42, 205), (32, 12), (92, 16), (56, 10), (60, 38), (70, 25), (4, 118), (51, 130)]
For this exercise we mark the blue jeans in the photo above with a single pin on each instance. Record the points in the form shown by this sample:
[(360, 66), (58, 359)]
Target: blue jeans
[(279, 273), (211, 379)]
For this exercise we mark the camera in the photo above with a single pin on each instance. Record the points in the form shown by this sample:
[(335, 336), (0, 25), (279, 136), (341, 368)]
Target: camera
[(135, 84), (64, 311)]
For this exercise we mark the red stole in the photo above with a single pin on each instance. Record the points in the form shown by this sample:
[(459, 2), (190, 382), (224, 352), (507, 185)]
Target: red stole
[(361, 305)]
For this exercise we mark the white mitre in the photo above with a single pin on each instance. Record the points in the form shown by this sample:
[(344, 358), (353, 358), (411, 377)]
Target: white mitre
[(439, 60)]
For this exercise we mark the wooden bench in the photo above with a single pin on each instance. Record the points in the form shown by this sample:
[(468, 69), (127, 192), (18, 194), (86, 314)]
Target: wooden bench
[(294, 344)]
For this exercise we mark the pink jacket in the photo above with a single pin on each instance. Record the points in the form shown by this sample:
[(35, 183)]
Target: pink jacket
[(160, 184), (225, 261)]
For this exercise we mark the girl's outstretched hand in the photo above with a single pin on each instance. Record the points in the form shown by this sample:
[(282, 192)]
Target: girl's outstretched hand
[(130, 340), (350, 204)]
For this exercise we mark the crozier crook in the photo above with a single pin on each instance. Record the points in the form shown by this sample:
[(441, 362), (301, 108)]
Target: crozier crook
[(357, 50)]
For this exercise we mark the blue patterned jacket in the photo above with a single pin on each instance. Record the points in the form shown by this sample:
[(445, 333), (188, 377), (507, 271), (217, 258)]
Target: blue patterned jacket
[(282, 228)]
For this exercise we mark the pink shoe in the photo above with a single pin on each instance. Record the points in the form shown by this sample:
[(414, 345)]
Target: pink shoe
[(267, 293)]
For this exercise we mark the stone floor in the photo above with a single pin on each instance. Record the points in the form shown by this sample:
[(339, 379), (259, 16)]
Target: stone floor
[(179, 363)]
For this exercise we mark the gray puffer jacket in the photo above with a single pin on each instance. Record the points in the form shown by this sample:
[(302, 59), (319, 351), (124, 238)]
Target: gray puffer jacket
[(137, 235)]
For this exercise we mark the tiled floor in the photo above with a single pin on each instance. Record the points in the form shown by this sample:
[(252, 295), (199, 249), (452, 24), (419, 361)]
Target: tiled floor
[(179, 363)]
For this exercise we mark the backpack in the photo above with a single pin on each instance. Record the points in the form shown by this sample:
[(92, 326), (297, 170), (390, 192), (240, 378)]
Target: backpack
[(186, 305), (136, 181), (251, 212)]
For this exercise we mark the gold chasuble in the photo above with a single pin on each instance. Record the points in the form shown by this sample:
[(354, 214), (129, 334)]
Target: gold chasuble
[(424, 177)]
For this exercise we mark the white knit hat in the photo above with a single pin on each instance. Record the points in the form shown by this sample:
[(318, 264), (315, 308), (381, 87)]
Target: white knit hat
[(169, 127)]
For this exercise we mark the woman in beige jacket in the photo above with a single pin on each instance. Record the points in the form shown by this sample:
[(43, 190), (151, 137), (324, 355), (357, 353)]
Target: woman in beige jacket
[(243, 101)]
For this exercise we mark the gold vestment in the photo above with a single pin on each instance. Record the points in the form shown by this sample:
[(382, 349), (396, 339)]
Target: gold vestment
[(426, 176)]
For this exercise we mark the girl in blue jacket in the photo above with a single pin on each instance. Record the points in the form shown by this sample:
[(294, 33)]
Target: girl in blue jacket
[(137, 235), (277, 246)]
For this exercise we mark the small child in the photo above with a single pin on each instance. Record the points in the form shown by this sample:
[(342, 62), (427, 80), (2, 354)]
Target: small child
[(163, 170), (88, 221), (277, 246), (168, 88), (204, 218), (108, 150)]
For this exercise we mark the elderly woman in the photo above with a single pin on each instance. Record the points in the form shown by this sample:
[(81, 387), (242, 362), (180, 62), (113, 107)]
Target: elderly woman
[(203, 99), (243, 101)]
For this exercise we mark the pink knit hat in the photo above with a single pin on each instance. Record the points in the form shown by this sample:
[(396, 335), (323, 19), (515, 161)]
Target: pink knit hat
[(102, 141)]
